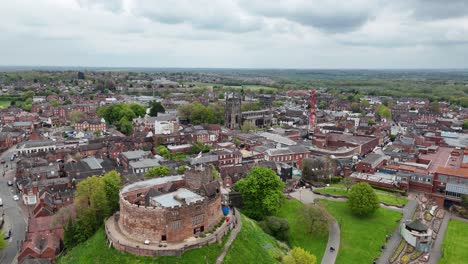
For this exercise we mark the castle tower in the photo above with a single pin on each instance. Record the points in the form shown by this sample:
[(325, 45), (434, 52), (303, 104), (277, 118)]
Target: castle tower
[(232, 111)]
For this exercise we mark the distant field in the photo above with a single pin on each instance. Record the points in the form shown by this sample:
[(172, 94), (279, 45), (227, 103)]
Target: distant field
[(361, 237), (253, 88), (96, 250), (454, 247), (4, 104)]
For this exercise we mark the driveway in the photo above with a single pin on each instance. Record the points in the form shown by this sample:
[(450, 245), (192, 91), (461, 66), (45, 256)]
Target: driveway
[(14, 217)]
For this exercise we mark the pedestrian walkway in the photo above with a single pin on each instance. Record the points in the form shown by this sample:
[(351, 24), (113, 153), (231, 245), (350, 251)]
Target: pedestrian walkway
[(395, 238), (333, 241), (436, 252), (232, 237)]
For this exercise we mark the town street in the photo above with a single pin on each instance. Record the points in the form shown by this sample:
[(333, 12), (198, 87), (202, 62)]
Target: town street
[(14, 218)]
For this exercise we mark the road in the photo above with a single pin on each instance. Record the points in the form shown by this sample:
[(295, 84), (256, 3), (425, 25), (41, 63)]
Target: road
[(14, 217)]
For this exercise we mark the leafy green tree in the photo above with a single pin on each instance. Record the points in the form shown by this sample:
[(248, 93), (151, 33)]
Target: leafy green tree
[(54, 103), (155, 108), (221, 96), (112, 187), (384, 112), (465, 124), (125, 126), (158, 171), (435, 107), (163, 151), (276, 227), (76, 116), (299, 256), (198, 147), (179, 156), (355, 107), (138, 109), (362, 199), (348, 182), (91, 200), (69, 235), (215, 172), (315, 219), (247, 127), (261, 192)]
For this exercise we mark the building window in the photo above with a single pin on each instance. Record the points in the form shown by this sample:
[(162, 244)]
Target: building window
[(198, 219), (175, 225)]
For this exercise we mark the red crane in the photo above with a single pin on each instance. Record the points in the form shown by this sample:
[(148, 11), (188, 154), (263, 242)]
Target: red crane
[(312, 111)]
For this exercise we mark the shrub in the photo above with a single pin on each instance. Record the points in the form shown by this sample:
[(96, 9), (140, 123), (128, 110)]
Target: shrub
[(335, 179), (276, 227)]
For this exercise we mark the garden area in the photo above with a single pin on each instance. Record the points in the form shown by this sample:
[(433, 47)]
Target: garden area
[(361, 237), (454, 247), (4, 104), (388, 198), (431, 216), (97, 249)]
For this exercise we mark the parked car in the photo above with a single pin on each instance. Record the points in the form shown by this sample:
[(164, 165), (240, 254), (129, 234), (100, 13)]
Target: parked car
[(3, 161), (1, 202), (15, 197), (10, 183)]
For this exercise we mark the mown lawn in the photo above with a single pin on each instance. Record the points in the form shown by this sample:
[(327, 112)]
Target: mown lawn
[(4, 104), (252, 245), (385, 197), (298, 236), (361, 238), (95, 250), (455, 245)]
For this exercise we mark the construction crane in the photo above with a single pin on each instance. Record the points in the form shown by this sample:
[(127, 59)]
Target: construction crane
[(312, 112)]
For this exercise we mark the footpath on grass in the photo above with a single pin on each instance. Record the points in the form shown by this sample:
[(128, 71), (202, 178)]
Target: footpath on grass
[(237, 221), (395, 239), (307, 196)]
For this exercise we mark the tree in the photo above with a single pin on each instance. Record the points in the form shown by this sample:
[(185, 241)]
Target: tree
[(112, 187), (362, 199), (276, 227), (261, 192), (163, 151), (198, 147), (316, 219), (435, 107), (299, 256), (76, 116), (355, 107), (138, 109), (69, 234), (125, 126), (348, 182), (247, 127), (215, 172), (383, 112), (221, 96), (155, 108), (158, 171), (464, 201)]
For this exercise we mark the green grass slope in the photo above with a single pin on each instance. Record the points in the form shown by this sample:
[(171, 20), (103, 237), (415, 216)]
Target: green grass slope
[(95, 250), (454, 247), (361, 238), (252, 245), (298, 237)]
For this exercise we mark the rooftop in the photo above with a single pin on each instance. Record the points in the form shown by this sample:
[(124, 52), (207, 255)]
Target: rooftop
[(136, 154), (149, 183), (144, 163), (176, 198)]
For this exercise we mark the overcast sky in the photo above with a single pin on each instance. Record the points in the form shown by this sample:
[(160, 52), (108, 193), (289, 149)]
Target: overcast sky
[(235, 33)]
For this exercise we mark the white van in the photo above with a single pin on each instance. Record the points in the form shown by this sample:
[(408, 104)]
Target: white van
[(1, 202)]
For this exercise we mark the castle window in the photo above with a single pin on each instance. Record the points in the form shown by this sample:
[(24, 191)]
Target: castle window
[(198, 219), (175, 225)]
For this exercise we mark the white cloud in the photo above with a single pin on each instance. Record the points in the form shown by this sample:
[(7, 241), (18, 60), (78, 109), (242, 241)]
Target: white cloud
[(234, 33)]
